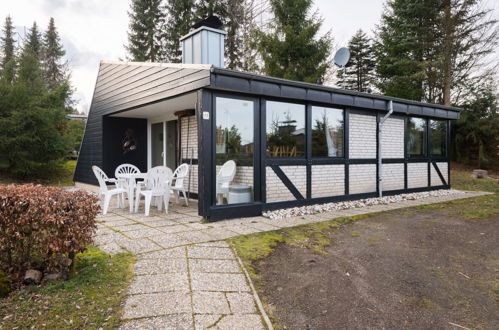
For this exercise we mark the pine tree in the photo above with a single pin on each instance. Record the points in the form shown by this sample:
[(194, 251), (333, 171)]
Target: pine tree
[(291, 49), (404, 47), (34, 41), (234, 46), (435, 51), (359, 73), (7, 42), (179, 18), (55, 66), (144, 35)]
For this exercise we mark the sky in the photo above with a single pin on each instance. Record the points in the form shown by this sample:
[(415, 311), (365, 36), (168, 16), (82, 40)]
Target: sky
[(95, 30)]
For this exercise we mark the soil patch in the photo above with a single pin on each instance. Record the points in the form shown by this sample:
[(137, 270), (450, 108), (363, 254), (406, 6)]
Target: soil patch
[(402, 269)]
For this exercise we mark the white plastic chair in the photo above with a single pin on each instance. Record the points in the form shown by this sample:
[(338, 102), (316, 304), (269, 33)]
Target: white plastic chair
[(126, 169), (224, 178), (157, 184), (105, 191), (177, 186)]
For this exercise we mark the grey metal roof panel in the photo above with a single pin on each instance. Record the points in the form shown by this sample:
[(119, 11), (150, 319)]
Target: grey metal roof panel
[(264, 85)]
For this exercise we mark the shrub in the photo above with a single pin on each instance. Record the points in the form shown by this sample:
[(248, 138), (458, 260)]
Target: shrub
[(43, 227), (5, 285)]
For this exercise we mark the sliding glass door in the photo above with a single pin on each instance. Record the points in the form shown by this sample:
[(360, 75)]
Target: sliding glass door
[(164, 144)]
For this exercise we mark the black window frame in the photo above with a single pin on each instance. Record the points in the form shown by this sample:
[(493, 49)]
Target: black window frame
[(309, 132), (425, 154), (446, 137)]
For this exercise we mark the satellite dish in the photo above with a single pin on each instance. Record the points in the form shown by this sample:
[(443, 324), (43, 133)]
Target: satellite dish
[(341, 57)]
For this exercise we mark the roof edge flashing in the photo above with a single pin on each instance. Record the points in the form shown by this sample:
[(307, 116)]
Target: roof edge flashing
[(157, 64)]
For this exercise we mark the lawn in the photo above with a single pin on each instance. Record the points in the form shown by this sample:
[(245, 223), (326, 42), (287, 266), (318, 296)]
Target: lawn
[(61, 176), (428, 266), (90, 299)]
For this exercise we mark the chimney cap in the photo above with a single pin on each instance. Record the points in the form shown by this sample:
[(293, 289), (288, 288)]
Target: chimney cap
[(211, 21)]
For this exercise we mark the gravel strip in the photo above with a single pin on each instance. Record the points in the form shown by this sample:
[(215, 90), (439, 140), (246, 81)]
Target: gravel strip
[(328, 207)]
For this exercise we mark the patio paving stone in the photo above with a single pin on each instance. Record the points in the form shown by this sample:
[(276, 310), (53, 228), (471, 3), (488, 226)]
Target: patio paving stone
[(220, 233), (174, 229), (120, 222), (243, 229), (131, 227), (157, 304), (218, 282), (169, 240), (160, 223), (213, 266), (215, 244), (159, 283), (112, 248), (247, 322), (196, 236), (174, 321), (140, 246), (241, 303), (160, 266), (178, 252), (143, 233), (206, 321), (203, 252), (210, 303)]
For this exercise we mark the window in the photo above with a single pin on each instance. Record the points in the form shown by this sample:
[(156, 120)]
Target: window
[(327, 132), (438, 137), (234, 147), (285, 129), (416, 137)]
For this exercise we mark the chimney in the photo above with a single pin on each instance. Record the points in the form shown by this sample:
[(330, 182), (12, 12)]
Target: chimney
[(204, 44)]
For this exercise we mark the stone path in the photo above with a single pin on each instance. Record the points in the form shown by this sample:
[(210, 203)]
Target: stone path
[(187, 276)]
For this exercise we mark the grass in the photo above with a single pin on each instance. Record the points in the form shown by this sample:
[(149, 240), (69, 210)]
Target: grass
[(471, 208), (91, 299), (60, 176), (254, 247)]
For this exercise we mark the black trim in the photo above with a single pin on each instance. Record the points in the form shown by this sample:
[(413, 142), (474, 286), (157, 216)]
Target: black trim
[(235, 211), (332, 199), (187, 161), (346, 143), (439, 173), (284, 178)]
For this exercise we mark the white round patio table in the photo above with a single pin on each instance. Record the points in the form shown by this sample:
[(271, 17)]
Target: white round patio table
[(130, 179)]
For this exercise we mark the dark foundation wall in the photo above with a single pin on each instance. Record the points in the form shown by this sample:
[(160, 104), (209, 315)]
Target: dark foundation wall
[(124, 141)]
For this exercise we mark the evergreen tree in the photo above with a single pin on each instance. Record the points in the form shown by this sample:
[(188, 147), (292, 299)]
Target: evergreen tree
[(179, 18), (55, 66), (359, 71), (34, 41), (7, 42), (434, 51), (404, 47), (291, 49), (144, 35)]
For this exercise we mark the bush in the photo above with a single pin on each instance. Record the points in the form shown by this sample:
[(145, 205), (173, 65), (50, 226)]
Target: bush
[(43, 227)]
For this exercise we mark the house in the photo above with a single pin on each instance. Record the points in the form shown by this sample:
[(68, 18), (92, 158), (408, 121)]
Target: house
[(293, 143)]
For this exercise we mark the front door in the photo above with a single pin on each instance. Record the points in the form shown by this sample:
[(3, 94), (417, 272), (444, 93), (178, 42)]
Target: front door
[(164, 144)]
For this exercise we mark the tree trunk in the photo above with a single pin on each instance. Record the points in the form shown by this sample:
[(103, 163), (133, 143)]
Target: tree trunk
[(447, 52)]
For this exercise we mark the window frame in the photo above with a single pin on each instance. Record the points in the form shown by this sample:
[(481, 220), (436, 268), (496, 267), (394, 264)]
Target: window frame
[(425, 139), (264, 112), (443, 155), (309, 127)]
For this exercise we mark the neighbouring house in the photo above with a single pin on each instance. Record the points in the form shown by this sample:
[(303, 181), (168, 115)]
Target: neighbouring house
[(293, 143)]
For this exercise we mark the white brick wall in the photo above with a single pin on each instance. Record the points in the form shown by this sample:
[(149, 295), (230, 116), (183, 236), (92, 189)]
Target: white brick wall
[(362, 178), (417, 175), (362, 135), (393, 138), (189, 137), (328, 180), (277, 191), (393, 176), (435, 179)]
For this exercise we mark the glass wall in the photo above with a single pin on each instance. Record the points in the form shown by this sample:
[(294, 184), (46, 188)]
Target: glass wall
[(327, 132), (416, 137), (234, 147), (285, 129), (438, 137)]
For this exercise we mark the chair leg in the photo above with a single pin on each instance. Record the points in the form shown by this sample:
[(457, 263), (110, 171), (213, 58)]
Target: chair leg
[(107, 199), (185, 197), (177, 196), (147, 203), (159, 204), (137, 201), (166, 199)]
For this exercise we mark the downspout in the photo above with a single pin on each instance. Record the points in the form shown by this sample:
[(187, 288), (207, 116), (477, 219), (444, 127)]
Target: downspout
[(380, 156)]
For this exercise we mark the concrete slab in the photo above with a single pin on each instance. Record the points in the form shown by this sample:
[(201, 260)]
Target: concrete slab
[(218, 282), (157, 304), (210, 303), (159, 283)]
